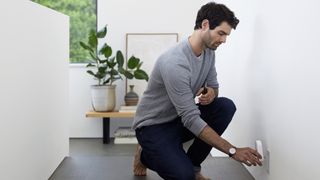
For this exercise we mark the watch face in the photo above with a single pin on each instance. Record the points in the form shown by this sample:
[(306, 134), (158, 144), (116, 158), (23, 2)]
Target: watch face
[(232, 150)]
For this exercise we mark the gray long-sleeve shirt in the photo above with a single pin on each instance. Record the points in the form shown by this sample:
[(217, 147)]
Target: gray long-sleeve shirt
[(176, 77)]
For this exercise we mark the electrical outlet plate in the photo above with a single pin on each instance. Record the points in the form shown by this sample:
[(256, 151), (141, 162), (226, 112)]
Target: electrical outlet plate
[(265, 156), (267, 162)]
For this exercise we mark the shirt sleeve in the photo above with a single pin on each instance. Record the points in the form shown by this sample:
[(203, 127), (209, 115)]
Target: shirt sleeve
[(176, 78), (212, 80)]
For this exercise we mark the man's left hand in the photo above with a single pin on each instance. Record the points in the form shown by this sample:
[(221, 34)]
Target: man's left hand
[(205, 99)]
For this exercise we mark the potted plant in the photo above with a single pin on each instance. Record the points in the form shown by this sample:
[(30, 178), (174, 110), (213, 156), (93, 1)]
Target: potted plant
[(106, 69)]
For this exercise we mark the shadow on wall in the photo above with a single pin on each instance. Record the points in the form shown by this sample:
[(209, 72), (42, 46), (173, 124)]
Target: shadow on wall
[(258, 93)]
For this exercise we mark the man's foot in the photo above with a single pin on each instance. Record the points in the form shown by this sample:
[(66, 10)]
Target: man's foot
[(199, 176), (138, 168)]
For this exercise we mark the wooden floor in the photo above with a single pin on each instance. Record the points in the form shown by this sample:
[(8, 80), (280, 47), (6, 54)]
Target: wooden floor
[(91, 160)]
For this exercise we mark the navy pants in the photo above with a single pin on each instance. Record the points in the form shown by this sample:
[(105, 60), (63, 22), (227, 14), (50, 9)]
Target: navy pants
[(162, 145)]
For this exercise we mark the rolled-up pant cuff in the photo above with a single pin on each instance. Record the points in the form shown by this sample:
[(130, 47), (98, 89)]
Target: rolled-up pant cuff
[(196, 169)]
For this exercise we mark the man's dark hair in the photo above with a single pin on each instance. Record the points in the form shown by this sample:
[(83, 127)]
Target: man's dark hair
[(216, 14)]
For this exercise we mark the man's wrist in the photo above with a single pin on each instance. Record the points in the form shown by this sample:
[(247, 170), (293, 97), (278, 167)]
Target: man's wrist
[(232, 151)]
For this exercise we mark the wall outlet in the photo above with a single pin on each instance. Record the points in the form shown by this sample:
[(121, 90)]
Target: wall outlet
[(265, 155), (266, 162)]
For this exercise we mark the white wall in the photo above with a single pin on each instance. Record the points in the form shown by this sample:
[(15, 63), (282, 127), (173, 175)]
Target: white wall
[(285, 92), (34, 90)]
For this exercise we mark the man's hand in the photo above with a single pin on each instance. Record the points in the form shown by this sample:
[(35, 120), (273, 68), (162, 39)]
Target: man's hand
[(248, 156), (245, 155), (206, 98)]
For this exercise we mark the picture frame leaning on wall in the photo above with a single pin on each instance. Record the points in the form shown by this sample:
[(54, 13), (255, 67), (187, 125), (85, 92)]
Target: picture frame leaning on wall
[(147, 47)]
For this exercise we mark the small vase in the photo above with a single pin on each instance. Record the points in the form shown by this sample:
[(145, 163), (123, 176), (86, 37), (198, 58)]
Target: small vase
[(131, 98)]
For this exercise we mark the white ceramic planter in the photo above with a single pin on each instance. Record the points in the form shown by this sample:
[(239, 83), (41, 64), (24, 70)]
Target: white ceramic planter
[(103, 97)]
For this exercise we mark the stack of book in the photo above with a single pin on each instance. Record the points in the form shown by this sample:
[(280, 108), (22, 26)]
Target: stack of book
[(125, 135), (128, 109)]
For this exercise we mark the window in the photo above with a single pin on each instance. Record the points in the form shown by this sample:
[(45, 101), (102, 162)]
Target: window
[(83, 17)]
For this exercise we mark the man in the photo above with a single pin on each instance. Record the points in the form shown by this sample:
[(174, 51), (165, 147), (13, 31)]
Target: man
[(167, 115)]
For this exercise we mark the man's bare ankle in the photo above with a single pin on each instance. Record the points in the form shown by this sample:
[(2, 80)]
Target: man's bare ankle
[(138, 168)]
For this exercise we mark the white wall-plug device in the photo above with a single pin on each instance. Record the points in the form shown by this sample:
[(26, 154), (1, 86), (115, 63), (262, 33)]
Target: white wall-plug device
[(259, 148)]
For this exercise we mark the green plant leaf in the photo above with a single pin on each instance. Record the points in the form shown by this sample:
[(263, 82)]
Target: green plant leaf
[(102, 33), (106, 81), (94, 57), (113, 72), (140, 74), (133, 62), (90, 65), (93, 41), (85, 46), (120, 59), (90, 72), (116, 78), (111, 63), (121, 70), (102, 69), (100, 75), (106, 50), (128, 74)]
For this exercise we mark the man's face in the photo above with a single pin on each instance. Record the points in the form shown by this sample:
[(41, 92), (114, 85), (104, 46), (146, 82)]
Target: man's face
[(213, 38)]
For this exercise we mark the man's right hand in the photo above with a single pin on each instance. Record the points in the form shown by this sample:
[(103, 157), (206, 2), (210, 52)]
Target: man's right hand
[(248, 156)]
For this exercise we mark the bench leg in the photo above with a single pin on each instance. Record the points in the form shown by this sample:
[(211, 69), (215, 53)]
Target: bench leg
[(106, 130)]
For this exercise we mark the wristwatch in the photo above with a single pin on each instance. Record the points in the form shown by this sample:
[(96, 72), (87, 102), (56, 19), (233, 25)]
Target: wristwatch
[(232, 151)]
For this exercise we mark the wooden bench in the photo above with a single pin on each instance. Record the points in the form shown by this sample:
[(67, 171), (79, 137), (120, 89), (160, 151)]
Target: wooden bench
[(106, 121)]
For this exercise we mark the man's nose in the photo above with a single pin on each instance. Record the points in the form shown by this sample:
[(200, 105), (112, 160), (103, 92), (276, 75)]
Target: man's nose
[(223, 39)]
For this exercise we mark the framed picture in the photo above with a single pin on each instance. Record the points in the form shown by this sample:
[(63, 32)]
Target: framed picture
[(147, 47)]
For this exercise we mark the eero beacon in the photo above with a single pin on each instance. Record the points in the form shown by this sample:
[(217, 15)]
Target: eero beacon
[(259, 148)]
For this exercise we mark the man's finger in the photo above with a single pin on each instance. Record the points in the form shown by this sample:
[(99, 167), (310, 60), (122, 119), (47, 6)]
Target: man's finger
[(247, 163), (256, 157), (256, 153), (199, 91)]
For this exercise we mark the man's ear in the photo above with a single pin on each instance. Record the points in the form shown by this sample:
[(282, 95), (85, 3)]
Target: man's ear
[(205, 24)]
